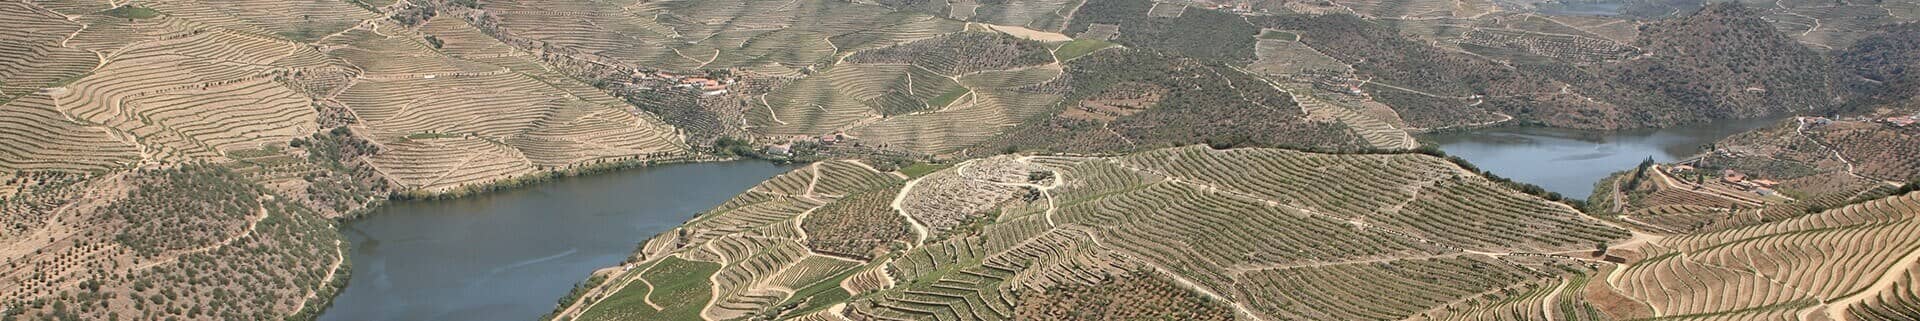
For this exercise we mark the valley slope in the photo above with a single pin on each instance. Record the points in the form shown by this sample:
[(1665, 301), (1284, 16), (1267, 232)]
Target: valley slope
[(1021, 159)]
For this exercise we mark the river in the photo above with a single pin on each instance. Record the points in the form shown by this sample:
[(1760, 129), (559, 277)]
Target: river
[(511, 255), (1570, 161)]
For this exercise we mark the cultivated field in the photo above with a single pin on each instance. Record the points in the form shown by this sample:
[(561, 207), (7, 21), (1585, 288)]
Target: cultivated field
[(1209, 233), (1817, 264), (792, 238), (1808, 165), (772, 38), (179, 159)]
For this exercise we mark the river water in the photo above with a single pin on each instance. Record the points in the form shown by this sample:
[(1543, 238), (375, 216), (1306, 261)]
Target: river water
[(511, 255), (1569, 161)]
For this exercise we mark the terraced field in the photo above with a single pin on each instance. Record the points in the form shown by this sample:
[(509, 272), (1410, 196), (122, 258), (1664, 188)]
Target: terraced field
[(37, 137), (773, 38), (486, 115), (1227, 226), (1874, 150), (300, 20), (1378, 133), (1816, 164), (1045, 15), (931, 96), (1786, 268), (305, 109), (1287, 57), (768, 245), (35, 56), (1835, 25), (168, 159)]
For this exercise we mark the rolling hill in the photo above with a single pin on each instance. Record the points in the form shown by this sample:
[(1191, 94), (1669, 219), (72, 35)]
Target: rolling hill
[(972, 159)]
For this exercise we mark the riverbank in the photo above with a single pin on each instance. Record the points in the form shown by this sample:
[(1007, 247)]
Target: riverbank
[(1571, 161), (323, 297), (450, 258)]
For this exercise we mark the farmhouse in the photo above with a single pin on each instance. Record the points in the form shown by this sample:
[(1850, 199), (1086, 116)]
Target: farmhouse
[(1732, 176)]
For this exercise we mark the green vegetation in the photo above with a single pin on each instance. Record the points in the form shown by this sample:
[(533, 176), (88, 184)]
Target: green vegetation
[(1204, 34), (1137, 295), (1150, 99), (435, 42), (860, 225), (680, 288), (735, 147), (179, 224), (1159, 153), (1883, 62), (132, 12), (1639, 174), (947, 98), (1079, 47), (175, 209), (917, 170), (1279, 35), (961, 53), (819, 295)]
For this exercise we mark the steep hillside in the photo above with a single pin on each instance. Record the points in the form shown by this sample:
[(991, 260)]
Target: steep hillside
[(1723, 61), (1793, 168), (1014, 236), (1099, 159), (1207, 234), (189, 242), (1127, 100), (182, 160), (1884, 67)]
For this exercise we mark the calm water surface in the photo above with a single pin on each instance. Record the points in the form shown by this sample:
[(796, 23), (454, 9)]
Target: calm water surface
[(1582, 8), (511, 255), (1569, 161)]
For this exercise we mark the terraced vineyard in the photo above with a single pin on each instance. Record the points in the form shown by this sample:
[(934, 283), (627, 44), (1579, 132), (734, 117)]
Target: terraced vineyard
[(304, 109), (773, 38), (1777, 268), (997, 237), (504, 116), (1046, 15), (1816, 163), (785, 238), (1115, 159)]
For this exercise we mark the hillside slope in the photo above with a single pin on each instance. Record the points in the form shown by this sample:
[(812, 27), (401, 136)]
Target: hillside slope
[(1213, 232)]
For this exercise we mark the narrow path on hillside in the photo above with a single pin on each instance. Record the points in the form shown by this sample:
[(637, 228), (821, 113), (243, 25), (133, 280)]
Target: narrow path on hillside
[(339, 257), (919, 230), (1800, 127), (252, 222)]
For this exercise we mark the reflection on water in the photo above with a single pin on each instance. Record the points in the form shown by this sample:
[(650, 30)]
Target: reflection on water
[(1569, 161), (511, 255), (1581, 7)]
